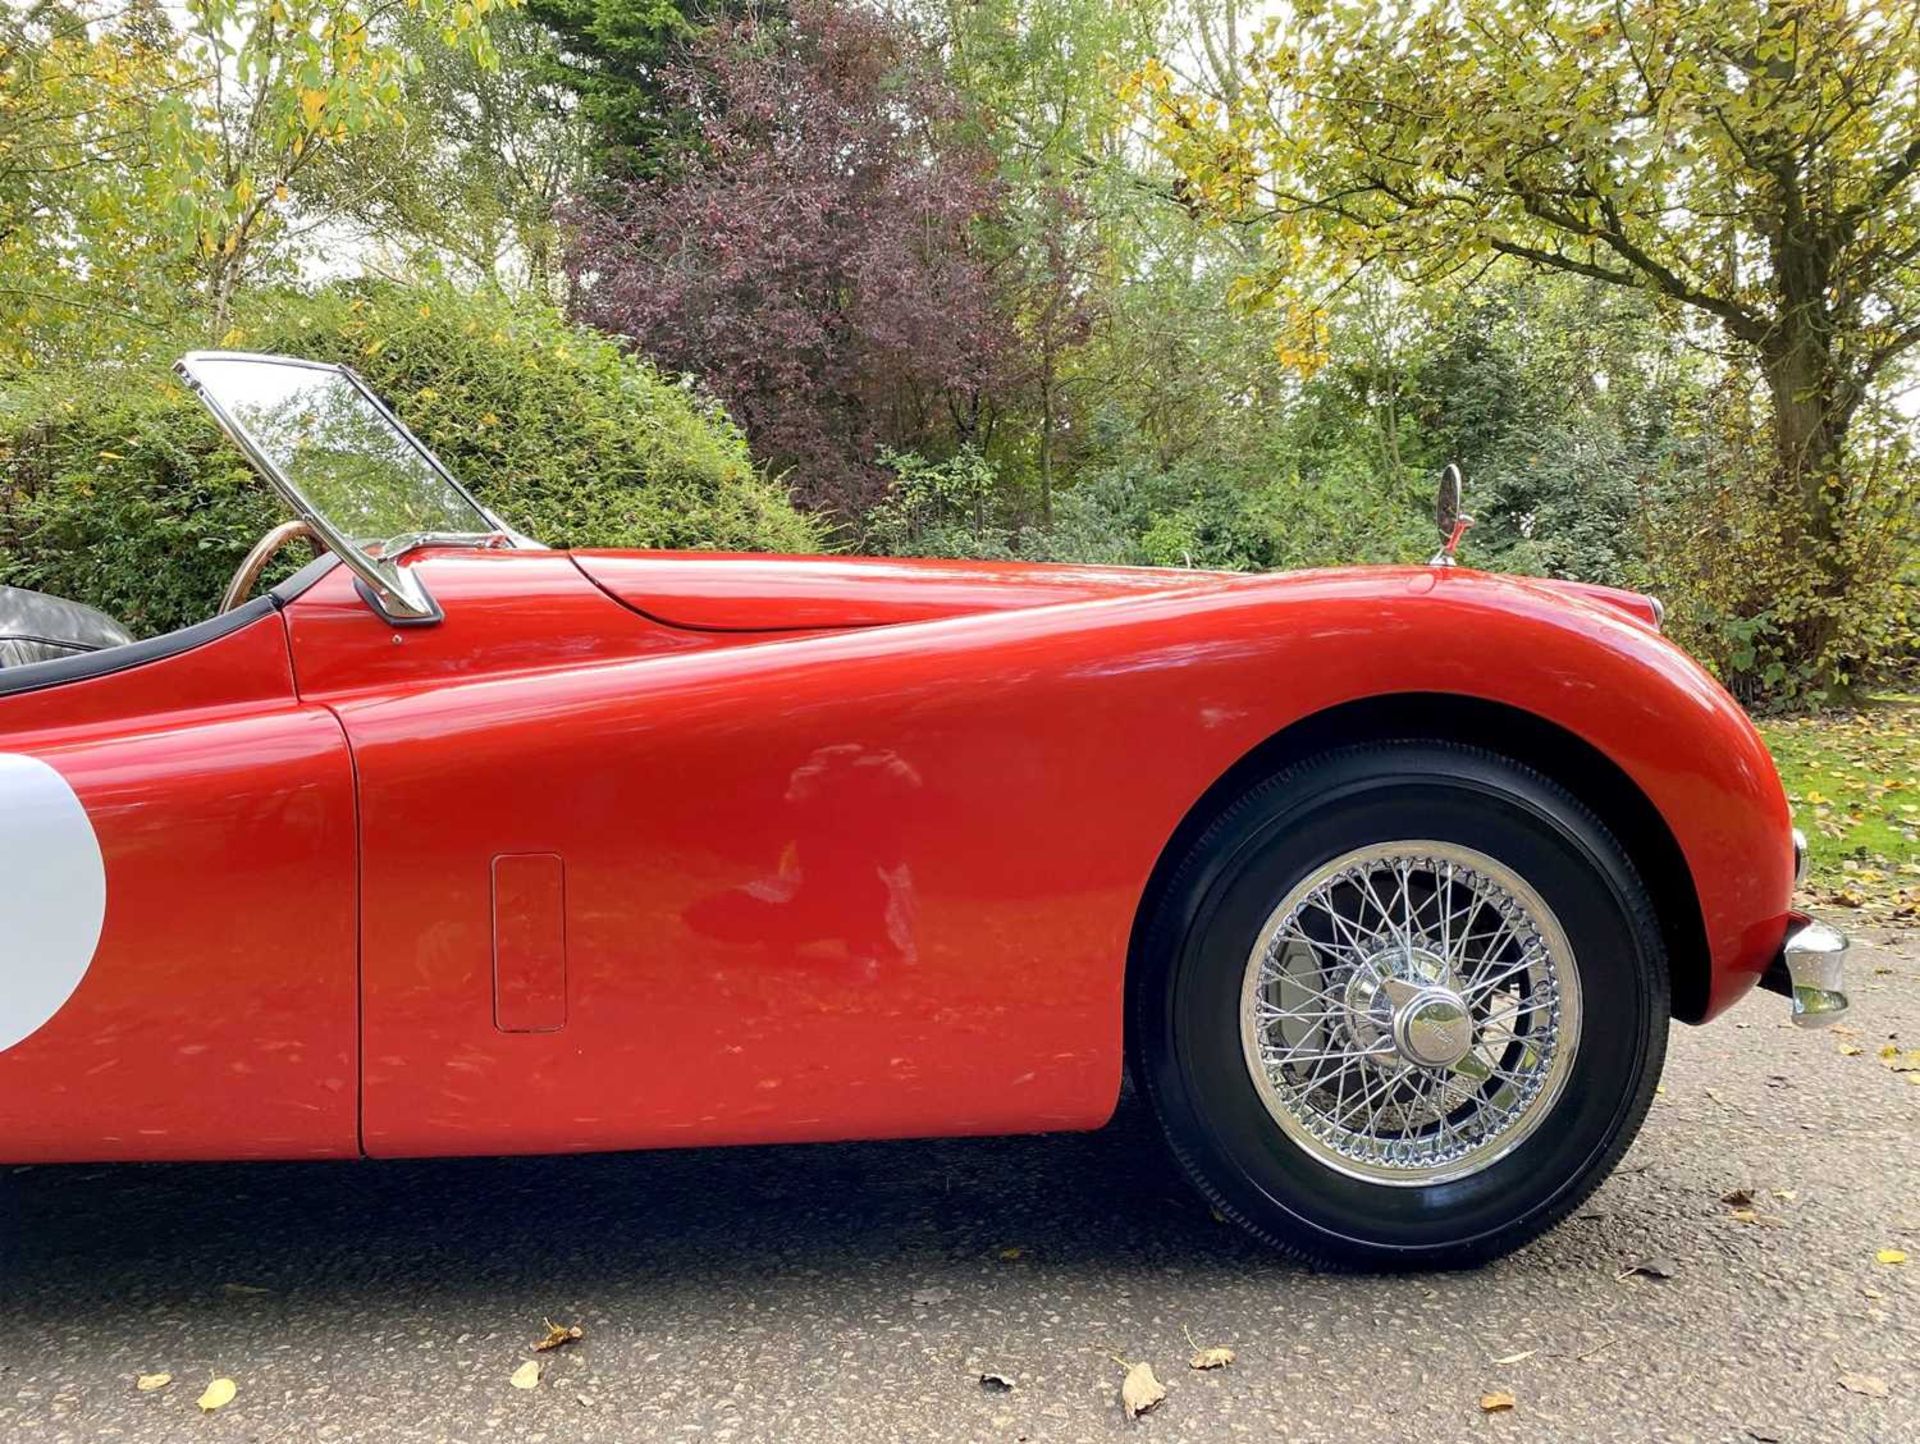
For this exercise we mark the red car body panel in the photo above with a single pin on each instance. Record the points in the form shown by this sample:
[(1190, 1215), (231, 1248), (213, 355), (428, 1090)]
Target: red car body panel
[(717, 592), (220, 1015), (843, 849)]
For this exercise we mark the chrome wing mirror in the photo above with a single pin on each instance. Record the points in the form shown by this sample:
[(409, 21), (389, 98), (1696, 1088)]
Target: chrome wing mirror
[(1448, 517)]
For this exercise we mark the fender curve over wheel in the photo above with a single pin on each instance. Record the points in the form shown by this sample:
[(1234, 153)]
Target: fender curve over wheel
[(1401, 1006)]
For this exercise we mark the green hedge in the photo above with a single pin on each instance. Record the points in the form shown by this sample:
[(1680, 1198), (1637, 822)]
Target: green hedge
[(116, 490)]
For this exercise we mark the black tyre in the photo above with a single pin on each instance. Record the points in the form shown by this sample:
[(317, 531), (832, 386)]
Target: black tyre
[(1401, 1006)]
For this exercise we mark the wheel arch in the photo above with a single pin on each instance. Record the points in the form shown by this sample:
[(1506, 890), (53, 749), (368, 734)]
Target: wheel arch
[(1523, 736)]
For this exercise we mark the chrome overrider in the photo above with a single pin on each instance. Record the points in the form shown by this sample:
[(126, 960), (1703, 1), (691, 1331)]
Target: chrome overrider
[(1811, 968), (1815, 958)]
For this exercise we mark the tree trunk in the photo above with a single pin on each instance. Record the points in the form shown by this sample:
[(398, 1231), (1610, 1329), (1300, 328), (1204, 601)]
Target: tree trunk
[(1813, 405), (1046, 449), (222, 281)]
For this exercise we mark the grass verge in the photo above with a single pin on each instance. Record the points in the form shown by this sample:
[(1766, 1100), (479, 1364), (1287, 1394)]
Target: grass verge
[(1854, 781)]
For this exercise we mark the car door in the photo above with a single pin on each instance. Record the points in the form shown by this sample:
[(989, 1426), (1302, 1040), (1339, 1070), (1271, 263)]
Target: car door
[(630, 885), (177, 911)]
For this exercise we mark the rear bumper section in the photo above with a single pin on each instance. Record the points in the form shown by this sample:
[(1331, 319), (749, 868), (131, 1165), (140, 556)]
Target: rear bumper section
[(1811, 970)]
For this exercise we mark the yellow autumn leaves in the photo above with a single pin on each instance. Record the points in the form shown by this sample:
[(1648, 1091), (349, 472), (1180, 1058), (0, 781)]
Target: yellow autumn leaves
[(219, 1392), (160, 165), (1853, 779)]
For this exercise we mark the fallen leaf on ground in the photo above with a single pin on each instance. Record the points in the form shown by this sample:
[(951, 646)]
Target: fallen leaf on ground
[(1516, 1358), (1214, 1358), (558, 1334), (527, 1376), (1786, 1194), (219, 1394), (1872, 1385), (931, 1296), (1497, 1402), (1739, 1198), (147, 1383), (1849, 1050), (996, 1383), (1891, 1256), (1651, 1268), (1140, 1391), (1011, 1253)]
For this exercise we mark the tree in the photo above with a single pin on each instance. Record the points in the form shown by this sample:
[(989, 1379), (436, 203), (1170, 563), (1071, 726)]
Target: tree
[(620, 58), (152, 153), (277, 82), (1039, 76), (486, 149), (812, 262), (1754, 164), (77, 183)]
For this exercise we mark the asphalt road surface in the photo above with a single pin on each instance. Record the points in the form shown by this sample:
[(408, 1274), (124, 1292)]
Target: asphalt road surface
[(858, 1292)]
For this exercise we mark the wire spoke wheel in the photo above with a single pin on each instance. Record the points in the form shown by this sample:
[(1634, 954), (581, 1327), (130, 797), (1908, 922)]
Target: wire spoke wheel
[(1410, 1012)]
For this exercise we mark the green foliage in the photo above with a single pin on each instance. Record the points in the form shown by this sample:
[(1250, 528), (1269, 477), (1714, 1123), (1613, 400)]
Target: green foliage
[(1133, 514), (1753, 165), (472, 180), (152, 154), (943, 508), (1853, 778), (264, 87), (78, 252), (115, 488), (615, 55), (1733, 566)]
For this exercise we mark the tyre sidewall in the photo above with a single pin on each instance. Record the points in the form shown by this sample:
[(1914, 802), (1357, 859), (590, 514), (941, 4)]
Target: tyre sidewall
[(1258, 853)]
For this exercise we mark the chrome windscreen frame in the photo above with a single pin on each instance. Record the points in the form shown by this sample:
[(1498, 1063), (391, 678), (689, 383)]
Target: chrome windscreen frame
[(393, 591)]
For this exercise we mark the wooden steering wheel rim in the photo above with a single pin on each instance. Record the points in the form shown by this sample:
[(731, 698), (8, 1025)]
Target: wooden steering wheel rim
[(263, 552)]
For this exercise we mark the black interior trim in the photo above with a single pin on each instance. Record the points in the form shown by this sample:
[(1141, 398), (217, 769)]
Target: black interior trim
[(36, 676), (291, 588)]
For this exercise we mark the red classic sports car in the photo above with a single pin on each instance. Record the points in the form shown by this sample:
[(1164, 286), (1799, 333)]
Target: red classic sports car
[(1385, 882)]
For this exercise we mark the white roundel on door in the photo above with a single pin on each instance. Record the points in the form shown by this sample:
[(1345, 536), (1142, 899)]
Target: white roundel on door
[(53, 894)]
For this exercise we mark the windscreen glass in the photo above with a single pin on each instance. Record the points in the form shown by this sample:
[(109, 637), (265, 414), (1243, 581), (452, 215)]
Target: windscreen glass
[(334, 451)]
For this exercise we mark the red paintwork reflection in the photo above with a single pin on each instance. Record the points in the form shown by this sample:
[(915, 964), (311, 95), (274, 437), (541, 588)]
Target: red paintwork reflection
[(881, 881), (218, 1018), (719, 592), (854, 875), (1637, 605)]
